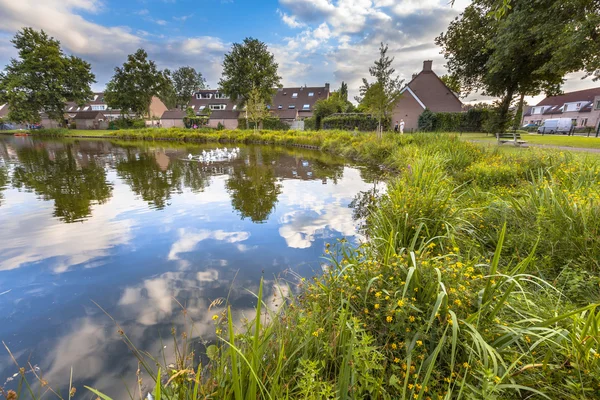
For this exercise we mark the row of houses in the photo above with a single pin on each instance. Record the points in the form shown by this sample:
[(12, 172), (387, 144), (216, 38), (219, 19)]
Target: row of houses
[(291, 104), (425, 90), (582, 107)]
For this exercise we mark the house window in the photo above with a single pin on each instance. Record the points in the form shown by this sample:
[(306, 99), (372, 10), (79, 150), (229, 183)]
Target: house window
[(583, 122), (221, 96), (279, 107), (201, 108), (291, 106), (533, 110), (294, 95), (311, 94), (578, 106), (306, 107), (99, 107), (598, 105), (217, 106), (234, 106), (203, 95)]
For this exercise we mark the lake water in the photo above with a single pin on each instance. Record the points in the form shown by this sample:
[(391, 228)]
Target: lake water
[(138, 228)]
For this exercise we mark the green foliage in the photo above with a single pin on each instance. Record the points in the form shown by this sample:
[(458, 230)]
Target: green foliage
[(248, 66), (332, 105), (43, 78), (269, 124), (492, 55), (380, 98), (310, 124), (362, 122), (135, 83), (127, 123), (186, 81), (452, 82), (474, 120), (256, 110)]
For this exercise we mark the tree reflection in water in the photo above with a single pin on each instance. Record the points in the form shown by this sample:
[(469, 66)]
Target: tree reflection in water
[(3, 181), (59, 176), (253, 186)]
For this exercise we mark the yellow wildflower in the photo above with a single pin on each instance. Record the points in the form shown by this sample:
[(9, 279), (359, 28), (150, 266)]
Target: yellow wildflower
[(389, 318)]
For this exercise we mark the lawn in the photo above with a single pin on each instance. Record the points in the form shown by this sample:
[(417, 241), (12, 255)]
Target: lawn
[(536, 139)]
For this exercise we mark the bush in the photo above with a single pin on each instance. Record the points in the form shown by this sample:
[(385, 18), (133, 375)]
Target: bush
[(220, 126), (127, 123), (362, 122), (310, 124), (270, 124), (474, 120)]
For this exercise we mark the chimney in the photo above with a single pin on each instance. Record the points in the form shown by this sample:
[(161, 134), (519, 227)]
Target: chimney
[(327, 87), (427, 65)]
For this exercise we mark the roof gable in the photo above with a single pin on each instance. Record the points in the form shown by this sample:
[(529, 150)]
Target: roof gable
[(433, 93)]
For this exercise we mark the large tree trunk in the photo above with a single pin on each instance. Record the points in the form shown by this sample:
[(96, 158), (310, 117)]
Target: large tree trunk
[(519, 114), (503, 112)]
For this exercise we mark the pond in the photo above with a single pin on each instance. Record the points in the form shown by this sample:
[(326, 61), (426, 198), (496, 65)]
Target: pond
[(140, 229)]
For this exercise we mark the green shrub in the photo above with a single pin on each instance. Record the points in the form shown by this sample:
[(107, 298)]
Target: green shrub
[(474, 120), (362, 122), (310, 124), (271, 124)]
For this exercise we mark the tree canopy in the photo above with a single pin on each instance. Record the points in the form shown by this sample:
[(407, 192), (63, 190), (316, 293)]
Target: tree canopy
[(247, 66), (43, 78), (186, 81), (525, 50), (379, 98), (135, 83)]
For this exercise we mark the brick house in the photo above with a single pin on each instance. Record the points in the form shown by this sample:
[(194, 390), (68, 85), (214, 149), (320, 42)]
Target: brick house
[(288, 104), (425, 90), (582, 107)]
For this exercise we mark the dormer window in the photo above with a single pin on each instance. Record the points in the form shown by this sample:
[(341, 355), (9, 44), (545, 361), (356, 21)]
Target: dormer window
[(291, 106), (203, 95), (279, 107), (306, 107), (311, 94), (294, 95)]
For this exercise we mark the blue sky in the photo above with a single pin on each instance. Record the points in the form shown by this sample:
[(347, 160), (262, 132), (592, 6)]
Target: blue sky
[(314, 41)]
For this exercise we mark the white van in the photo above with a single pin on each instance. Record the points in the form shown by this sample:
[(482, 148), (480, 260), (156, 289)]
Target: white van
[(556, 125)]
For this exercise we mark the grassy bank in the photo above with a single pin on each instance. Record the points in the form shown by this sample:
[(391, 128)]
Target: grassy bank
[(480, 280), (582, 142)]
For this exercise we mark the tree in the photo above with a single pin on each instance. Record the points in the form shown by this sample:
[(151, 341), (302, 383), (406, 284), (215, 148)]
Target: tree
[(135, 83), (332, 105), (43, 79), (452, 82), (380, 98), (525, 50), (186, 81), (343, 91), (247, 66), (256, 110)]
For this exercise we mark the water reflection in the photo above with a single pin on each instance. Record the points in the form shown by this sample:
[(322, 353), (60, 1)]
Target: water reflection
[(154, 230), (58, 176)]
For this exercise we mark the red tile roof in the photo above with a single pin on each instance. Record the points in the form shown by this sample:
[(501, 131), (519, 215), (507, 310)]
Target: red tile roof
[(571, 97)]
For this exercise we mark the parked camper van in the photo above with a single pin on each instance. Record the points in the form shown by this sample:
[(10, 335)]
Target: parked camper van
[(556, 125)]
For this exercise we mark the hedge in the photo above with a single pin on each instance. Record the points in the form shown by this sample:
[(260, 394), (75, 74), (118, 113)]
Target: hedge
[(474, 120), (362, 122), (310, 124), (268, 124)]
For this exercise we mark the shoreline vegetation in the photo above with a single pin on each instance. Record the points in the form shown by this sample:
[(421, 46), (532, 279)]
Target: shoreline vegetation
[(479, 280)]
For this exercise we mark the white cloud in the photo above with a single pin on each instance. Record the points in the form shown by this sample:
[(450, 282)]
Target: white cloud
[(50, 239), (290, 20), (189, 239)]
